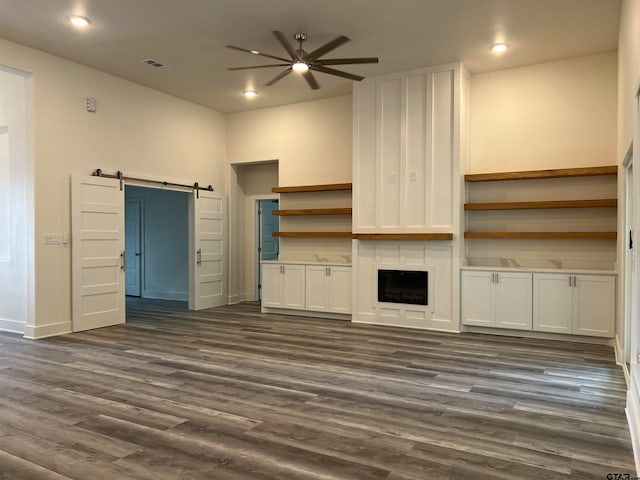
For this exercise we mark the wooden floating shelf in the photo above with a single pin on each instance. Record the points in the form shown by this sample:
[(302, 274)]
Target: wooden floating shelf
[(313, 188), (575, 235), (607, 202), (532, 174), (367, 236), (403, 236), (314, 211), (312, 234)]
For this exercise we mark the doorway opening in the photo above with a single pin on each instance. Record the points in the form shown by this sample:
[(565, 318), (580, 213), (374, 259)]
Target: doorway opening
[(629, 255), (267, 246), (157, 243)]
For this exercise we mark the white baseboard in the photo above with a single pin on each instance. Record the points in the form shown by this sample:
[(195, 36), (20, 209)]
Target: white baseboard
[(13, 326), (373, 319), (413, 327), (619, 353), (305, 313), (539, 335), (43, 331), (633, 419), (160, 295), (233, 299)]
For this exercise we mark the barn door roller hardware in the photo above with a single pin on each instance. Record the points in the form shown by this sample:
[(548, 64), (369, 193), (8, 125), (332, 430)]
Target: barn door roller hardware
[(121, 177)]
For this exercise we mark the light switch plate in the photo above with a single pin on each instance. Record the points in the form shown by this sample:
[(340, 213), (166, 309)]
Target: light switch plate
[(52, 239)]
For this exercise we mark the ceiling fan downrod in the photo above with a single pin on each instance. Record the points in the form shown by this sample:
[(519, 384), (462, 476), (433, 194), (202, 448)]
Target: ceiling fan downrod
[(300, 38)]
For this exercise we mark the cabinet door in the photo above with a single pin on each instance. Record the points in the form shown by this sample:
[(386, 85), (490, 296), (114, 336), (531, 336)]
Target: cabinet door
[(293, 290), (477, 299), (317, 288), (594, 305), (340, 289), (513, 300), (552, 302), (271, 285)]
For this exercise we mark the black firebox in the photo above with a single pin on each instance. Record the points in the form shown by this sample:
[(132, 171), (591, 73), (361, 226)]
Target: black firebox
[(403, 286)]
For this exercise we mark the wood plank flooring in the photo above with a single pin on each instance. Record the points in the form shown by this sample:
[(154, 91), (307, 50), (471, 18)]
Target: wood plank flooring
[(230, 393)]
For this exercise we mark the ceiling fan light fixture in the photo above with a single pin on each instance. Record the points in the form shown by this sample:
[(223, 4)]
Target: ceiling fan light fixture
[(249, 93), (499, 47), (79, 21), (300, 67)]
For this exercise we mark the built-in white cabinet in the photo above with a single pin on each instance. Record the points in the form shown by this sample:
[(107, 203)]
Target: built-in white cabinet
[(497, 299), (317, 288), (578, 304), (283, 285), (328, 289)]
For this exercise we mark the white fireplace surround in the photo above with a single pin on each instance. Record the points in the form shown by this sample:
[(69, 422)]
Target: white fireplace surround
[(437, 259)]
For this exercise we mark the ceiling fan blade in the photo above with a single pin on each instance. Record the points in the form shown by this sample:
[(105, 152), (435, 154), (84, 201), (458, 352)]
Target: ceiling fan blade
[(311, 80), (326, 48), (280, 76), (255, 52), (337, 73), (346, 61), (260, 66), (285, 43)]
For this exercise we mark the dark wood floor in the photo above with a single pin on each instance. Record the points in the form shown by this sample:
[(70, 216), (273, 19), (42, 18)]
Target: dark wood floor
[(232, 394)]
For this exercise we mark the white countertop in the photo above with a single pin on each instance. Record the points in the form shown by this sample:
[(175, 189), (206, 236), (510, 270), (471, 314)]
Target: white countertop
[(539, 270), (310, 262)]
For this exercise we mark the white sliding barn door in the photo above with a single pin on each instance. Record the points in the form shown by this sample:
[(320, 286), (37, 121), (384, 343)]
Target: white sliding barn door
[(97, 235), (208, 272)]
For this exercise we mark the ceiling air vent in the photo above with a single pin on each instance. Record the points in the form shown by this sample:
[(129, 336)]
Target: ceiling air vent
[(155, 64)]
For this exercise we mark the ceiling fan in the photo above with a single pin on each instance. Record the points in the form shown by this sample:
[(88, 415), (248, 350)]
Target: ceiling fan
[(305, 62)]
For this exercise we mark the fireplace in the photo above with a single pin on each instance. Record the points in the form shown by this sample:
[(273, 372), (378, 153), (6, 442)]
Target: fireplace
[(403, 286)]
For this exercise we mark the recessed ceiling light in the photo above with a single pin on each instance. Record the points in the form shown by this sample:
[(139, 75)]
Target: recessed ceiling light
[(300, 67), (79, 21), (250, 93), (499, 47)]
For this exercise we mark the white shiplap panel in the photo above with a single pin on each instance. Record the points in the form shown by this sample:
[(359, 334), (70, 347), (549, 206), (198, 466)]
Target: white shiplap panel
[(364, 179), (441, 201), (366, 279), (388, 198), (416, 191)]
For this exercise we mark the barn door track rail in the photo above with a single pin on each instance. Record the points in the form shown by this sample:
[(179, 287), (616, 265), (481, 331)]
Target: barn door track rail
[(121, 177)]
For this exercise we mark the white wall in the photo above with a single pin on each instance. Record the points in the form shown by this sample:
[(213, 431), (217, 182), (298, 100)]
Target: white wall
[(166, 242), (551, 115), (558, 114), (136, 129), (628, 73), (15, 171), (310, 140)]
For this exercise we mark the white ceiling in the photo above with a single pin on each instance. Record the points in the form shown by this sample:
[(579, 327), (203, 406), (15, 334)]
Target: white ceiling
[(190, 37)]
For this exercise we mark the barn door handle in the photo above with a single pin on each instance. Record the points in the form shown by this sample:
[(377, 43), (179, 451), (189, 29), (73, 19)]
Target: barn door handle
[(199, 256), (123, 262)]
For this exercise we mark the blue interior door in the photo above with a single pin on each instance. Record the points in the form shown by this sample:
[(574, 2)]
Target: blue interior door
[(269, 223), (133, 247)]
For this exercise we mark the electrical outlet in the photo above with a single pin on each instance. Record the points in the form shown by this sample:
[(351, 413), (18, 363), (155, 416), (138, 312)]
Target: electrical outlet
[(413, 176)]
